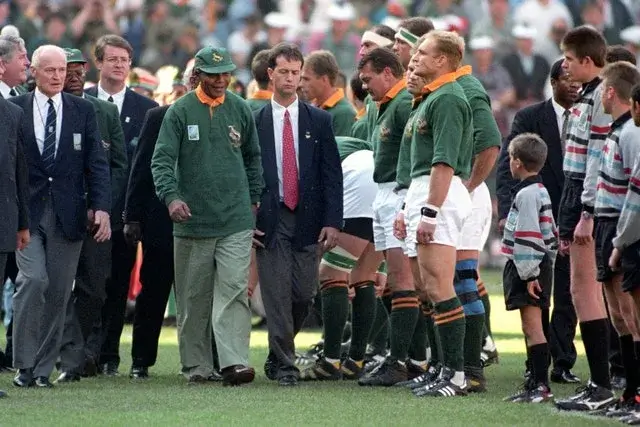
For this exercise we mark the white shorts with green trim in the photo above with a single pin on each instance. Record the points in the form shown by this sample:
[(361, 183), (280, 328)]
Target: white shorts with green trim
[(477, 226), (453, 213), (340, 259), (385, 208)]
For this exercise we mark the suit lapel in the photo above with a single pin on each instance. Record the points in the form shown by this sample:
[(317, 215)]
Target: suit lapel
[(30, 135), (553, 140), (128, 108), (69, 121), (268, 145), (305, 141)]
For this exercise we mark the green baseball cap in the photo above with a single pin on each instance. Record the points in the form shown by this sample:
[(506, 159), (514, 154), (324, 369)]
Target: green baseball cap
[(214, 60), (74, 55)]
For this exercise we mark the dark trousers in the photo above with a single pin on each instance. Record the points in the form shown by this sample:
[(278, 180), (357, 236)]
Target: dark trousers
[(562, 328), (123, 257), (85, 308), (288, 282), (156, 275), (10, 272)]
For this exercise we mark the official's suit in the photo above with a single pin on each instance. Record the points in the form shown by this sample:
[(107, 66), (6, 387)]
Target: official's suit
[(14, 180), (94, 265), (288, 265), (156, 274), (527, 85), (58, 224), (134, 108), (541, 119)]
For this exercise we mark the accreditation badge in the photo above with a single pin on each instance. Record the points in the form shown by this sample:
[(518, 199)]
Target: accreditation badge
[(193, 131), (77, 141)]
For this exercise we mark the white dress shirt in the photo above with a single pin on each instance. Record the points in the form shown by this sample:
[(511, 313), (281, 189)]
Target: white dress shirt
[(278, 128), (40, 111), (559, 109), (118, 98), (4, 90)]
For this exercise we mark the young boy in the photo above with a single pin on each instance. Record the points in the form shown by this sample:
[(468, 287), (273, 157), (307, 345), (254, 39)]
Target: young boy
[(530, 243)]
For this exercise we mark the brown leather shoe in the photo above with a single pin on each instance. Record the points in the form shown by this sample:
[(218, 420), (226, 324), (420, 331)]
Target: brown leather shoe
[(237, 374)]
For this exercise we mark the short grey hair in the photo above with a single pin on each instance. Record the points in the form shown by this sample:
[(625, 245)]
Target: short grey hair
[(35, 60), (9, 45)]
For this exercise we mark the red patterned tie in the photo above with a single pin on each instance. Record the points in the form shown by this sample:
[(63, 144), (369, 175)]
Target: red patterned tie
[(289, 168)]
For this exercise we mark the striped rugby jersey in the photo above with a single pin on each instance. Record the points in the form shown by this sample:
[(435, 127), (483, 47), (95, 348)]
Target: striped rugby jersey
[(619, 154), (628, 231), (530, 232), (587, 129)]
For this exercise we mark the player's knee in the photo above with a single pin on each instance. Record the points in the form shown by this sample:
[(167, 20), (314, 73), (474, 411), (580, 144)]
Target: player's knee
[(466, 287)]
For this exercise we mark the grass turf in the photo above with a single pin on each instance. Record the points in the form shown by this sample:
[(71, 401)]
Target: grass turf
[(166, 399)]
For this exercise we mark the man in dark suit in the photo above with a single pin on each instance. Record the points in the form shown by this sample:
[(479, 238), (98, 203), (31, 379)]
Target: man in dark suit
[(300, 213), (113, 59), (77, 355), (547, 119), (63, 150), (14, 183), (528, 71)]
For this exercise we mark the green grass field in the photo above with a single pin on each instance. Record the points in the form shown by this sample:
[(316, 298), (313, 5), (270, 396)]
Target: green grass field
[(166, 399)]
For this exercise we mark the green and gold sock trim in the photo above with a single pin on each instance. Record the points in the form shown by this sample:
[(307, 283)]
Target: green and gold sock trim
[(449, 316), (332, 283)]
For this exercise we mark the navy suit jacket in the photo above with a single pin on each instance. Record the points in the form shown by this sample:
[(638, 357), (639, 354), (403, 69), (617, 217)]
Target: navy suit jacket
[(538, 118), (319, 171), (134, 108), (74, 163)]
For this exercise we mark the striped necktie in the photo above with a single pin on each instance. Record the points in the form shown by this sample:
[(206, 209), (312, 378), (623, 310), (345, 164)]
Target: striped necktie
[(13, 92), (110, 99), (49, 146)]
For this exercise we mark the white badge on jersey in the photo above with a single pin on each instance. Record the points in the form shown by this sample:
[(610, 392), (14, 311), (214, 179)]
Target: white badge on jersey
[(194, 132)]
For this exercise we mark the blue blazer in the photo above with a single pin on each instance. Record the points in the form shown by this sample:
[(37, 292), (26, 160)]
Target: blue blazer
[(134, 109), (319, 171), (74, 164)]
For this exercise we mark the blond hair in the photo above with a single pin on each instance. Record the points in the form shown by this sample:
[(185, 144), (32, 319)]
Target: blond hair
[(449, 44)]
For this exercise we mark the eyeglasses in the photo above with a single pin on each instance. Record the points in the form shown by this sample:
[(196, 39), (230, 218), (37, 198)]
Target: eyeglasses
[(114, 60)]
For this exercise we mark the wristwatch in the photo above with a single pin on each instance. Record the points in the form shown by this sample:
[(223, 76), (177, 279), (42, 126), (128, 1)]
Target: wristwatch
[(587, 215), (428, 212)]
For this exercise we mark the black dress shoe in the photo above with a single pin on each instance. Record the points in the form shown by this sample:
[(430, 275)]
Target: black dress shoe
[(215, 377), (24, 378), (90, 368), (109, 369), (288, 381), (139, 372), (43, 382), (563, 376), (68, 377), (237, 374), (196, 379), (271, 367)]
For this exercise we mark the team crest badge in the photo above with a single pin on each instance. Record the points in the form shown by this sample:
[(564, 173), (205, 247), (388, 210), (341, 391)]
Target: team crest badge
[(235, 136), (216, 57), (421, 126), (408, 129), (385, 132)]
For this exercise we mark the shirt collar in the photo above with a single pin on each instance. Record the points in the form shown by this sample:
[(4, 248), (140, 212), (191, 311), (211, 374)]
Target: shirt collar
[(394, 91), (590, 86), (559, 109), (439, 82), (262, 94), (465, 70), (333, 99), (4, 89), (115, 96), (43, 99), (536, 179), (277, 108), (361, 112), (621, 120)]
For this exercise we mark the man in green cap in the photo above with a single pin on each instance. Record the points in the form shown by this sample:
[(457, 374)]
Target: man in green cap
[(207, 169), (94, 266)]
